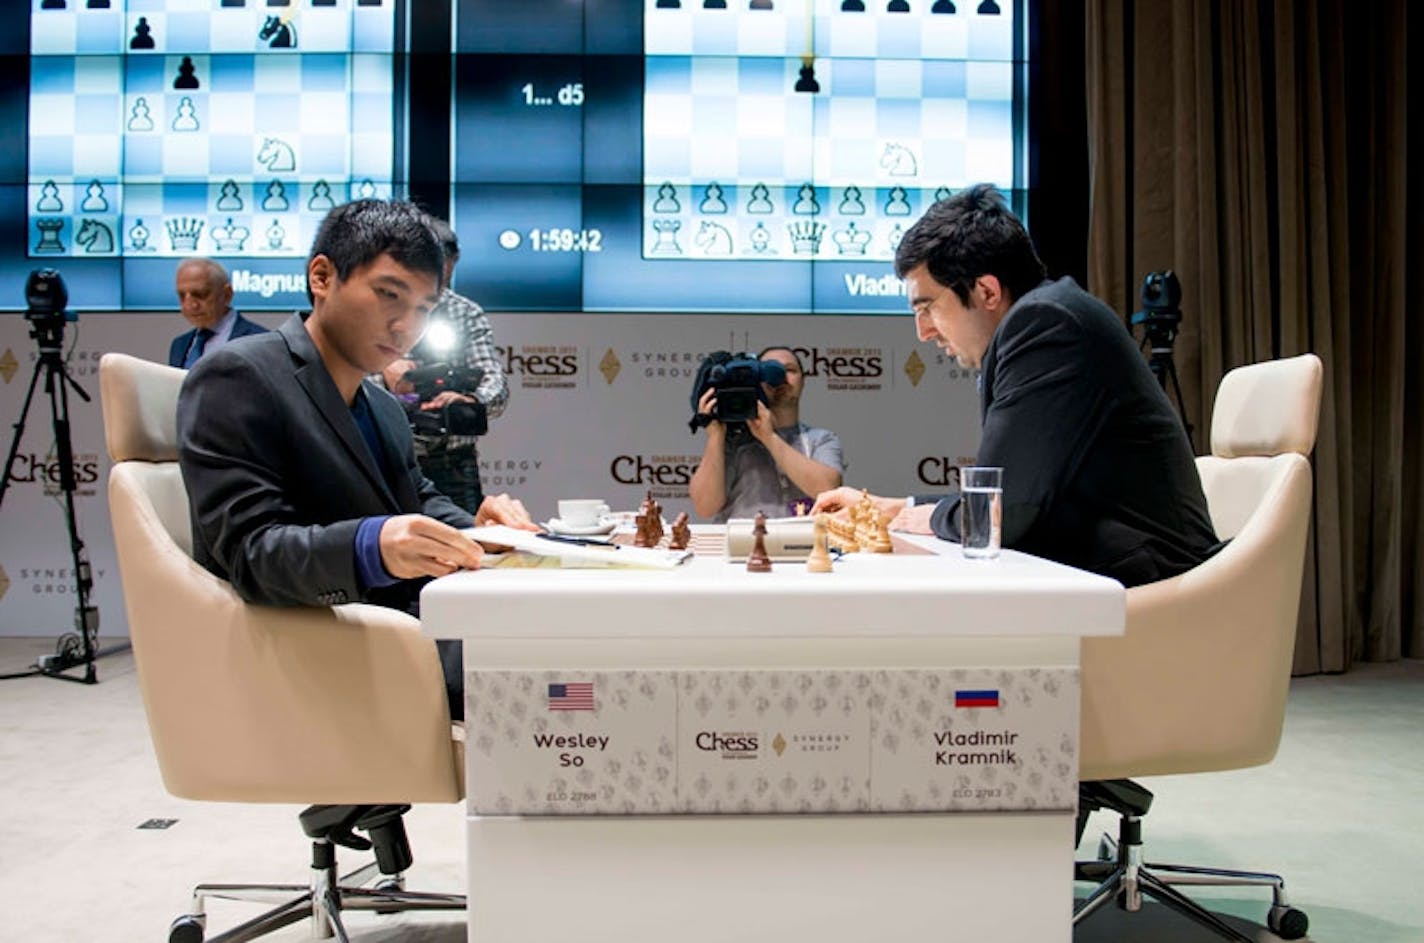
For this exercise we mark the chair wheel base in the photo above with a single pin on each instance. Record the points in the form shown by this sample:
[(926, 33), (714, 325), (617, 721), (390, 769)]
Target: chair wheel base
[(186, 929), (1287, 922)]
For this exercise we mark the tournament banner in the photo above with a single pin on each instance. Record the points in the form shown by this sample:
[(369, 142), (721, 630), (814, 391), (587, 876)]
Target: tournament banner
[(778, 742)]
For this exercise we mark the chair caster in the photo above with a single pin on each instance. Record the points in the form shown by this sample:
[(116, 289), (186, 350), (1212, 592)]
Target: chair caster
[(386, 886), (1287, 922), (186, 929)]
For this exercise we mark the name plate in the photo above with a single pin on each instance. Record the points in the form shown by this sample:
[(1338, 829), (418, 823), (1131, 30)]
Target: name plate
[(782, 741)]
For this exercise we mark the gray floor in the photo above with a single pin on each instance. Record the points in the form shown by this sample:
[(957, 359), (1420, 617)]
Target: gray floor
[(1339, 813)]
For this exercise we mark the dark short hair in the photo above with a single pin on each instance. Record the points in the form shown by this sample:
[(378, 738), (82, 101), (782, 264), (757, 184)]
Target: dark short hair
[(357, 233), (449, 242), (786, 347), (969, 234)]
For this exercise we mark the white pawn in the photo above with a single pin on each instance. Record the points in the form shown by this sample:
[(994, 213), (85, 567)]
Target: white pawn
[(139, 118), (187, 119)]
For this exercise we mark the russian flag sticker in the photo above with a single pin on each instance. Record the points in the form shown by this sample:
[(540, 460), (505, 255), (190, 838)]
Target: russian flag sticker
[(984, 698)]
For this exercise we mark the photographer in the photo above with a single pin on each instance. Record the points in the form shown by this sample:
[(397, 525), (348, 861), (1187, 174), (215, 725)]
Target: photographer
[(769, 462), (471, 389)]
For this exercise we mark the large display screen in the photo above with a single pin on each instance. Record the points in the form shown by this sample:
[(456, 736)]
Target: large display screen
[(604, 155), (159, 129), (713, 155)]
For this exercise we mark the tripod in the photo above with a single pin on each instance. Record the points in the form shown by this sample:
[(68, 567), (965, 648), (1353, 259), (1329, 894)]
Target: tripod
[(80, 647), (1165, 370)]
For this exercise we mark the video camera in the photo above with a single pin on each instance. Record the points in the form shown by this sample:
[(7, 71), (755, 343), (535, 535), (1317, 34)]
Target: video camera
[(738, 380), (46, 297), (1161, 313), (457, 418)]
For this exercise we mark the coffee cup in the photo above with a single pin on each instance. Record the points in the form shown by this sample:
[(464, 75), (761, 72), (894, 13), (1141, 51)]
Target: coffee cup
[(582, 512)]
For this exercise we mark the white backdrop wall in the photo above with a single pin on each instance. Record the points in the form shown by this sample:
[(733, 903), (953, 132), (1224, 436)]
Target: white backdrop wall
[(598, 407)]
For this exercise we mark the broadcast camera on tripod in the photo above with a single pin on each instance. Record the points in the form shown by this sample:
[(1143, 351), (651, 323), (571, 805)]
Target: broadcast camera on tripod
[(46, 298), (1160, 317)]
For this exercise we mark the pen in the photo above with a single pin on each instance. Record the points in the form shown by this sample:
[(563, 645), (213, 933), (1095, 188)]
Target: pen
[(579, 541)]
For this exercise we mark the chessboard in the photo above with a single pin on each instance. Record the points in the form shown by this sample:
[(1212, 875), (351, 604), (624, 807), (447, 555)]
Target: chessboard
[(818, 130), (182, 127)]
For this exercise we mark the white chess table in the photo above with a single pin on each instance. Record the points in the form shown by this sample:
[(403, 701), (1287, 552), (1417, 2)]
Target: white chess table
[(850, 876)]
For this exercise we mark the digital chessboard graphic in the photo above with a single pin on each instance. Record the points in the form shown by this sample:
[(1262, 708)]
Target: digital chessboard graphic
[(214, 127), (820, 129)]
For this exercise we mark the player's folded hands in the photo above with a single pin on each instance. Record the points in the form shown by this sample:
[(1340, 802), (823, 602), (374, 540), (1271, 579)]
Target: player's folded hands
[(414, 545)]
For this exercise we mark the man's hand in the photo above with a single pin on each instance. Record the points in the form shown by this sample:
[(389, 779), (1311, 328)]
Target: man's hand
[(915, 520), (844, 498), (761, 426), (707, 406), (502, 509), (445, 397), (394, 375), (414, 545)]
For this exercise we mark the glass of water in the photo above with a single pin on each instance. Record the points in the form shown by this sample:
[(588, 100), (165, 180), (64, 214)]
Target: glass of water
[(981, 510)]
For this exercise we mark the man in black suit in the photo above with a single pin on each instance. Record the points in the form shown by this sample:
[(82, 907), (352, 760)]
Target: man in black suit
[(1098, 471), (205, 298), (301, 474)]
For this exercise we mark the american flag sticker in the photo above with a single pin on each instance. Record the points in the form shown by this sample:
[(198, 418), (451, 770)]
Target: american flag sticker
[(982, 698), (571, 696)]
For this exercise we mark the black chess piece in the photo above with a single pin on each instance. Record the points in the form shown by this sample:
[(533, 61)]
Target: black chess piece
[(669, 4), (187, 78), (279, 3), (761, 5), (97, 5), (807, 82), (143, 35), (714, 4), (852, 6), (943, 6), (898, 6), (53, 5), (234, 3), (989, 8)]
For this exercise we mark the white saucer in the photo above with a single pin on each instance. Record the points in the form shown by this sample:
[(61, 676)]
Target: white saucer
[(557, 526)]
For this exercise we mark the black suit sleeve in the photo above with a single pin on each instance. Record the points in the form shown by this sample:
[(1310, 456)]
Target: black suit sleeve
[(1041, 419), (233, 449)]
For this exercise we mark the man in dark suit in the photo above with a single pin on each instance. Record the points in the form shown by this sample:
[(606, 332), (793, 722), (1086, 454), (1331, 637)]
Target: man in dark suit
[(301, 474), (205, 298), (1098, 471)]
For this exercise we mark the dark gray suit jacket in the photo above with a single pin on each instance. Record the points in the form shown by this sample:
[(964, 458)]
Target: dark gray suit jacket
[(1098, 471), (178, 350), (279, 477)]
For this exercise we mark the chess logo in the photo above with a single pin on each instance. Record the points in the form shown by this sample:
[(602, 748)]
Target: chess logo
[(845, 368), (542, 366), (941, 471), (184, 232), (9, 366), (737, 745), (664, 476)]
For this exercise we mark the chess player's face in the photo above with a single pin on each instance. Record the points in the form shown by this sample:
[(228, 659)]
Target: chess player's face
[(203, 296), (961, 331), (788, 393), (373, 316)]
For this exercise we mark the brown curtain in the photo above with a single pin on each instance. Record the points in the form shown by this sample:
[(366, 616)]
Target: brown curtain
[(1261, 150)]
